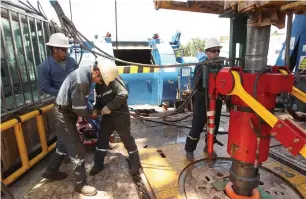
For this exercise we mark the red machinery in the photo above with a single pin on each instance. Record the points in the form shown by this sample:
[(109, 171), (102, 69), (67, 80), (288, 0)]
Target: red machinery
[(252, 123)]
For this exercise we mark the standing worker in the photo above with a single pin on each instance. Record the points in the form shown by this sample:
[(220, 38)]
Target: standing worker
[(212, 50), (70, 103), (112, 101), (53, 70)]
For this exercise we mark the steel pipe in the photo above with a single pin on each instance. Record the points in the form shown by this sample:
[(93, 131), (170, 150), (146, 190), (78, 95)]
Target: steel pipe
[(257, 48)]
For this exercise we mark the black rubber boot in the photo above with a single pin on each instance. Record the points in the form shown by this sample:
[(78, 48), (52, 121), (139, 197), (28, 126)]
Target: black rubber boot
[(96, 169), (52, 172), (85, 189), (135, 163), (57, 175), (99, 162), (55, 162), (189, 156)]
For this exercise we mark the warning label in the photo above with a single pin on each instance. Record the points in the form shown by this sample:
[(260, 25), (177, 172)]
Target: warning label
[(302, 62)]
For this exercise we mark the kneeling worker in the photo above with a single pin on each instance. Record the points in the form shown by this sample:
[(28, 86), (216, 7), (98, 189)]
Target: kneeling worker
[(112, 101), (70, 103)]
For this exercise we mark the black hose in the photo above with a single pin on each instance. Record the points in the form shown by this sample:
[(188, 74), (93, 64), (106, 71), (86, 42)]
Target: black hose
[(177, 125), (42, 13), (177, 120), (108, 56)]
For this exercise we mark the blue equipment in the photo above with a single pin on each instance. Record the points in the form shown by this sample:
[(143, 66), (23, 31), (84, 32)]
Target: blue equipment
[(145, 85)]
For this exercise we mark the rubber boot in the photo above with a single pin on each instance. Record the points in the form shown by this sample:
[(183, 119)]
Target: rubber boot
[(214, 154), (135, 163), (189, 156), (85, 189), (52, 172), (98, 162), (57, 175)]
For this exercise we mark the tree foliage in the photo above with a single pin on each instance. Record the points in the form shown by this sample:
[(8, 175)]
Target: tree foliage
[(193, 46)]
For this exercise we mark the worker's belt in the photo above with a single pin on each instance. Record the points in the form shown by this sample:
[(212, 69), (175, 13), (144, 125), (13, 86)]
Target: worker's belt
[(246, 109), (62, 107)]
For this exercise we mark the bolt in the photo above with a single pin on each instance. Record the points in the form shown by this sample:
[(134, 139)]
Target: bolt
[(274, 134), (280, 126), (296, 140), (290, 148)]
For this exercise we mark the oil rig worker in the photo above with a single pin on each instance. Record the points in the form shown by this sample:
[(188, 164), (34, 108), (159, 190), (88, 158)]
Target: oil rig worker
[(55, 68), (212, 50), (112, 101), (70, 103)]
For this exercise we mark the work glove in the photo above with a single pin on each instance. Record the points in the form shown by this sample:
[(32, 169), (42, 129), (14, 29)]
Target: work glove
[(105, 111), (94, 114)]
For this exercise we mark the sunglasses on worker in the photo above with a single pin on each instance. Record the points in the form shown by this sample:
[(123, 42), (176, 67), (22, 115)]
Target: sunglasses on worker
[(214, 50), (63, 49)]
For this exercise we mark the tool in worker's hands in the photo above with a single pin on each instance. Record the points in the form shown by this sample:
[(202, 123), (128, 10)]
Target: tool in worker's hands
[(105, 111)]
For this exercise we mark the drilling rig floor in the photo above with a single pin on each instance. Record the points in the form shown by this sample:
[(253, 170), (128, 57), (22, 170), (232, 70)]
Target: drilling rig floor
[(170, 175), (166, 173)]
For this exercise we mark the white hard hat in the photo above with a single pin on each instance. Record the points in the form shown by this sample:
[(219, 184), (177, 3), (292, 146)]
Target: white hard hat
[(212, 43), (58, 40), (108, 70), (87, 62)]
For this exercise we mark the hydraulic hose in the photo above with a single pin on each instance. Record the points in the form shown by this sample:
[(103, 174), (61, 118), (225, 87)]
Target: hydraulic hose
[(108, 56)]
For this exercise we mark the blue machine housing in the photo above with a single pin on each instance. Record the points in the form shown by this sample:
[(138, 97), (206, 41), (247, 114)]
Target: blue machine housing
[(163, 54), (297, 45), (297, 56), (152, 87), (143, 88), (186, 73)]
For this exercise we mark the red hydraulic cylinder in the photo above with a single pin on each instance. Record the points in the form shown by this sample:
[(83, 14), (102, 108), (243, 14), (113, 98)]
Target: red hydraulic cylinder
[(211, 113), (211, 126)]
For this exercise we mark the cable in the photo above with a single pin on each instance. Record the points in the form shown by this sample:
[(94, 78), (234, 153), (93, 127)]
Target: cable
[(108, 56), (39, 5), (78, 35), (177, 120)]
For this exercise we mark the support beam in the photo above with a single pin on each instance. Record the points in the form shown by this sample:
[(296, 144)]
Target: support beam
[(238, 32)]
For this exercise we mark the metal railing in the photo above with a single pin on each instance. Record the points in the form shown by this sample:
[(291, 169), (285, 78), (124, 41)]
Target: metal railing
[(23, 38), (17, 125)]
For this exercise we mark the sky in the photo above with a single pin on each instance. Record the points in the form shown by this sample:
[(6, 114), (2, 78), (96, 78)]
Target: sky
[(138, 20)]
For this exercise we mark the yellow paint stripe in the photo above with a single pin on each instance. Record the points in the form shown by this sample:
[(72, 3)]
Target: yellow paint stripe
[(146, 70), (134, 69), (303, 151), (120, 69)]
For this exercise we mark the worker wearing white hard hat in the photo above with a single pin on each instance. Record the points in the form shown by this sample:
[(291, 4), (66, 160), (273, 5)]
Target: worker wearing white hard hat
[(212, 48), (55, 68), (111, 101), (51, 74), (211, 51), (108, 70)]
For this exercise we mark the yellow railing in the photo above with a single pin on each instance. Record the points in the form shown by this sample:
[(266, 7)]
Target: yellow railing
[(17, 125)]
